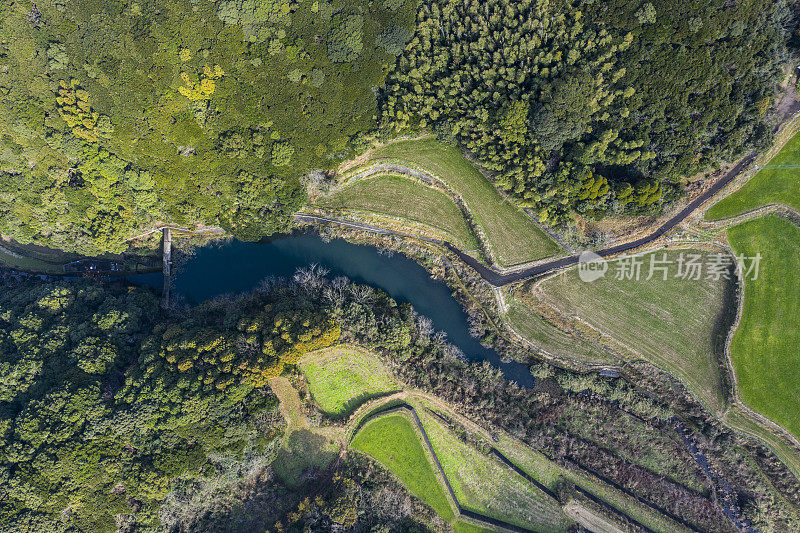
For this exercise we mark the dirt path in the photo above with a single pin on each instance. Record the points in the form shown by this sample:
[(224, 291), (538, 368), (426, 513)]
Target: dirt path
[(291, 404), (788, 106)]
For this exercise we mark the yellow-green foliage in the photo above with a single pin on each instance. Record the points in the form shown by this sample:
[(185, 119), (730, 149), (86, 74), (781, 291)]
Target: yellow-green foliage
[(129, 57), (202, 87), (343, 508), (593, 187), (293, 335), (258, 351), (74, 108), (299, 332), (646, 192)]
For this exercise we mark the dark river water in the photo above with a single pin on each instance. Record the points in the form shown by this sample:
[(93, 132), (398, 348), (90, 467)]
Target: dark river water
[(238, 267)]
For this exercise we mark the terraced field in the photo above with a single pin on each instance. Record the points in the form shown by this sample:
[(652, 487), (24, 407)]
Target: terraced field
[(512, 237), (392, 441), (764, 349), (343, 377), (549, 474), (488, 487), (482, 483), (403, 197), (780, 184)]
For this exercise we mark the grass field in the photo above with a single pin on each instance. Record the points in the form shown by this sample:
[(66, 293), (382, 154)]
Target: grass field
[(672, 322), (402, 197), (342, 378), (27, 263), (765, 349), (768, 186), (513, 237), (489, 487), (466, 527), (303, 448), (549, 338), (392, 441)]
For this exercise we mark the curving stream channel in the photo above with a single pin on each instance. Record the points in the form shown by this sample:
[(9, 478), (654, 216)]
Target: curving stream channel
[(237, 267)]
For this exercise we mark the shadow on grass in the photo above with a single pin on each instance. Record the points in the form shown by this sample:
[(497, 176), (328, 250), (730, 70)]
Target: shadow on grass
[(302, 456), (356, 402)]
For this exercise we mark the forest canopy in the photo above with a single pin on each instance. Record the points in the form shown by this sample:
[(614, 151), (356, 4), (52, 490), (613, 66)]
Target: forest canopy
[(116, 114), (106, 406), (592, 106)]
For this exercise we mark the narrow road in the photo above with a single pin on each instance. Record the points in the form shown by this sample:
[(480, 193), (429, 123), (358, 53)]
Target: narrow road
[(498, 279)]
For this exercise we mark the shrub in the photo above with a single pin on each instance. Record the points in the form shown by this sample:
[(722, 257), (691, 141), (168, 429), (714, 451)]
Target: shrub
[(345, 38), (393, 40), (282, 154)]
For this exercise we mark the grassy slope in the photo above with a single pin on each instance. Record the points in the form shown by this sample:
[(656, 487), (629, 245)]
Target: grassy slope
[(403, 197), (303, 448), (766, 187), (467, 468), (530, 325), (765, 350), (27, 263), (670, 323), (644, 444), (291, 405), (489, 487), (341, 378), (466, 527), (782, 448), (392, 441), (549, 474), (513, 237)]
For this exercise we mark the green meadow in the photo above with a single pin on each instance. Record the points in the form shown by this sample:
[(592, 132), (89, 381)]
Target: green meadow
[(392, 441), (511, 234), (764, 348), (342, 377), (768, 186)]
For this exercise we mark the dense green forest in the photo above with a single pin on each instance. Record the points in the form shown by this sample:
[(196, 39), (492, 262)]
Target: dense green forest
[(119, 113), (116, 114), (114, 416), (592, 106), (102, 409)]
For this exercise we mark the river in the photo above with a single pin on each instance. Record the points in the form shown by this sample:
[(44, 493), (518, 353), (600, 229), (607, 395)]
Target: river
[(237, 267)]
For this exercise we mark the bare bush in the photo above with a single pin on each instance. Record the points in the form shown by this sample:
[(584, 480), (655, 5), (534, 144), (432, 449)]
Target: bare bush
[(311, 277)]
